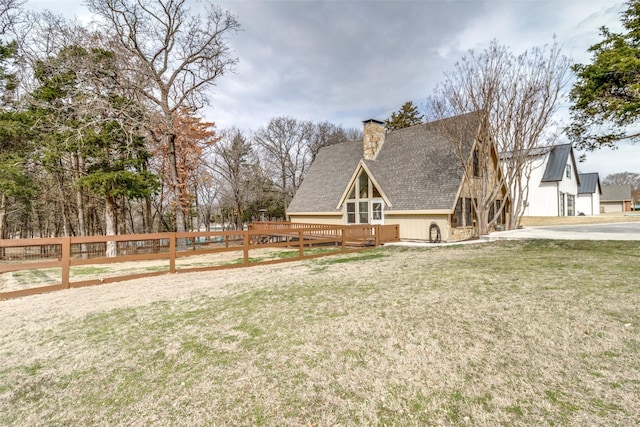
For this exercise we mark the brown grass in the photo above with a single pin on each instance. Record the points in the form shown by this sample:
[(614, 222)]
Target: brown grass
[(529, 221), (506, 333)]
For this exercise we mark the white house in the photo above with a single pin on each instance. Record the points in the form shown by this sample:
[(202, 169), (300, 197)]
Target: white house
[(589, 192), (553, 182)]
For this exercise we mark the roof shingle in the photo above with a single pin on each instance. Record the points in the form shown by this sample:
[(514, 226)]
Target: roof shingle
[(416, 168)]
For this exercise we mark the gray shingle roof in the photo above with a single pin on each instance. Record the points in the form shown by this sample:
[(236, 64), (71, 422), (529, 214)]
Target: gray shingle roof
[(557, 163), (589, 183), (615, 193), (416, 168)]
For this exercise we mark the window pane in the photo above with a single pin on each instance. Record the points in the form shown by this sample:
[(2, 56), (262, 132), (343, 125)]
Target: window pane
[(457, 217), (376, 211), (571, 205), (467, 212), (376, 193), (363, 185), (351, 213), (352, 193), (363, 208)]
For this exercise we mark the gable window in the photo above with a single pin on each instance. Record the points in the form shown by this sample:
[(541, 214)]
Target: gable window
[(361, 206), (476, 164), (568, 171)]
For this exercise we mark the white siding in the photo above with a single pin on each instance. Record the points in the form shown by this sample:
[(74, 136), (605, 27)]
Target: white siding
[(544, 197), (588, 204)]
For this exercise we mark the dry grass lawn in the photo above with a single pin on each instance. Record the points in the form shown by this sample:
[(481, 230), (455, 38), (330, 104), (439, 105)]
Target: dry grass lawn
[(523, 333), (528, 221)]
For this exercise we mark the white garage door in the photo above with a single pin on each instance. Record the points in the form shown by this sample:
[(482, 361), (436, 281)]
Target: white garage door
[(612, 207)]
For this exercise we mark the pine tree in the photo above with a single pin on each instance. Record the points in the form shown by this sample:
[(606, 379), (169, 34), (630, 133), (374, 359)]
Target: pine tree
[(407, 116)]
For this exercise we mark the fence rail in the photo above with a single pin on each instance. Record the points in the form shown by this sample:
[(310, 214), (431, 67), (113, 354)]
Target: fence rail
[(31, 266)]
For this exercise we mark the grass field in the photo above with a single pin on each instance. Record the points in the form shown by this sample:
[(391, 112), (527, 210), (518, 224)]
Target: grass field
[(513, 333)]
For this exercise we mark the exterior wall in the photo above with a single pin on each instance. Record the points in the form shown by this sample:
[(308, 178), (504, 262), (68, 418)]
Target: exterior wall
[(317, 219), (542, 200), (588, 204), (412, 227), (416, 227)]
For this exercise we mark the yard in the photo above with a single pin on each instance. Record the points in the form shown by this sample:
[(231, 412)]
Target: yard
[(505, 333)]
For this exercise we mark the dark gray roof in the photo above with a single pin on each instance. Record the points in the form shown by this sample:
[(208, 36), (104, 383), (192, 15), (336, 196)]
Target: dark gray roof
[(556, 165), (416, 168), (589, 183), (615, 193)]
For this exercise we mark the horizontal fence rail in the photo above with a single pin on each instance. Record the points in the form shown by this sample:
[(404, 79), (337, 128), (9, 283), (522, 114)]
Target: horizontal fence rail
[(31, 266)]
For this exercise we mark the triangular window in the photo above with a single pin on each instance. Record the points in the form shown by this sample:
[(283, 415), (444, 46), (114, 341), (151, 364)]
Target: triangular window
[(360, 198)]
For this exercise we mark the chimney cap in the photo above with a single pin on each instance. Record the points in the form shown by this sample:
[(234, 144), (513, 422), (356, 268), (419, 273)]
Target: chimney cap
[(378, 122)]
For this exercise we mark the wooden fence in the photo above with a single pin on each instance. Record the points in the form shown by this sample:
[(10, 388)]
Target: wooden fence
[(72, 262)]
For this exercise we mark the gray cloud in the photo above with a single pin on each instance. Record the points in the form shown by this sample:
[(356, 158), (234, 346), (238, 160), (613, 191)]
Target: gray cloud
[(346, 61)]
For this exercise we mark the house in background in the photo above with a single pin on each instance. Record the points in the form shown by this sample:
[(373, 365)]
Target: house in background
[(553, 183), (411, 177), (615, 198), (589, 192)]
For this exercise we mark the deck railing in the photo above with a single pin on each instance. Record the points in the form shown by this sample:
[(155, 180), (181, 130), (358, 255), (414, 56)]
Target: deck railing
[(31, 266)]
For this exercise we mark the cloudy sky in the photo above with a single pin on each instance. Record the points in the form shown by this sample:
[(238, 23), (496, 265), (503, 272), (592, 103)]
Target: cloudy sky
[(347, 61)]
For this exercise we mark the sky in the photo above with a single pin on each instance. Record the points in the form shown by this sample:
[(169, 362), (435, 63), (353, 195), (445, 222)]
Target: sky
[(348, 61)]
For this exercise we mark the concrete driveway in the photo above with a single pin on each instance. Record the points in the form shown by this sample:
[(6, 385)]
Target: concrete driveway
[(614, 231)]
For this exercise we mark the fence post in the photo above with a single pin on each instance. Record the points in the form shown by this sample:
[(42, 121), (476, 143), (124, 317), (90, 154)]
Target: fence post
[(66, 262), (301, 242), (377, 237), (246, 247), (343, 233), (172, 252)]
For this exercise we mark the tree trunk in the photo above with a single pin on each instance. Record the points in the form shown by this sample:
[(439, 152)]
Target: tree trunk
[(3, 220), (110, 222), (181, 244)]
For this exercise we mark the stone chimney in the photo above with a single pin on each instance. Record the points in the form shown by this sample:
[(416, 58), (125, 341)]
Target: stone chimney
[(373, 138)]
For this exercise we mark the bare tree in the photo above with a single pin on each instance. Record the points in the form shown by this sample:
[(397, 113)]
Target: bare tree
[(326, 134), (516, 97), (285, 147), (233, 155), (175, 56)]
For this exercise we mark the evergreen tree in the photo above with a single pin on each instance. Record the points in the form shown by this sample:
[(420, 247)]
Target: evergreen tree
[(408, 115), (606, 94)]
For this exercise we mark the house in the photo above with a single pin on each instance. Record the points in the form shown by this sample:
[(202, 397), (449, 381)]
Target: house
[(589, 192), (411, 177), (615, 198), (553, 182)]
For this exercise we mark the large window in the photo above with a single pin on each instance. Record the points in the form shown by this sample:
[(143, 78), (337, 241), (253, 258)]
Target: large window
[(561, 206), (361, 209), (468, 209), (464, 213), (571, 205)]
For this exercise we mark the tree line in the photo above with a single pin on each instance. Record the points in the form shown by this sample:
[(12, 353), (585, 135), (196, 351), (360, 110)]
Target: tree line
[(100, 131)]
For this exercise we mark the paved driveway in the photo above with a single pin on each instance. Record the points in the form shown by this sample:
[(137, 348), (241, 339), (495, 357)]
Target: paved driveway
[(616, 231)]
